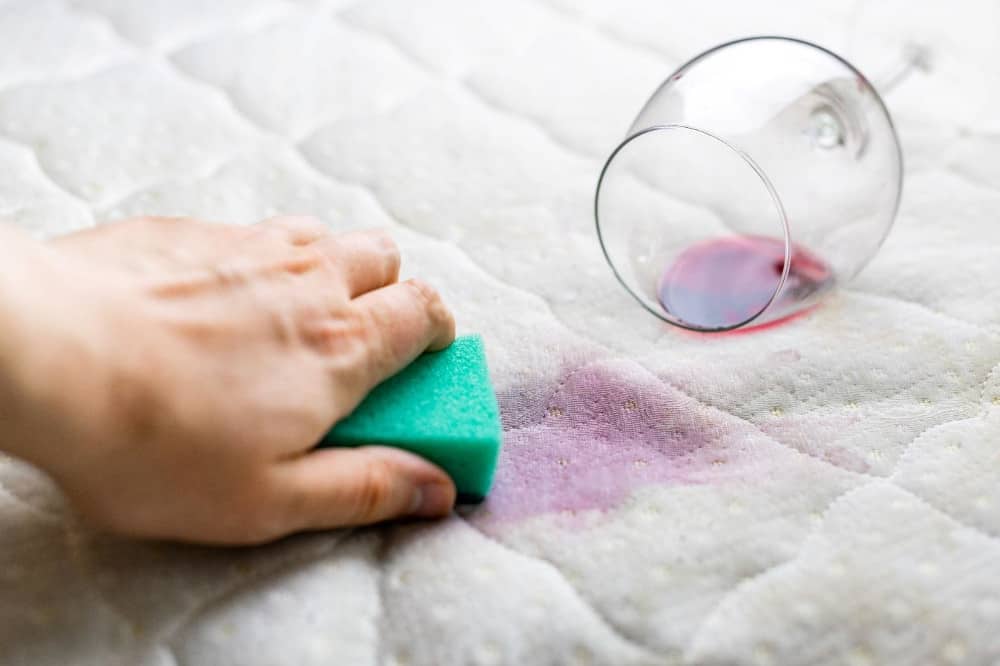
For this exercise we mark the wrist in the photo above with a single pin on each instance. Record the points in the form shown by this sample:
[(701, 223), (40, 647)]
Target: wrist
[(46, 366)]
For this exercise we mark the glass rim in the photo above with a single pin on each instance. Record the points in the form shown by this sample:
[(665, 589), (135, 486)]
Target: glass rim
[(765, 181), (836, 56)]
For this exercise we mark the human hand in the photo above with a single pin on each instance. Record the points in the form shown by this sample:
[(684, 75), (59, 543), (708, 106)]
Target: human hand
[(173, 376)]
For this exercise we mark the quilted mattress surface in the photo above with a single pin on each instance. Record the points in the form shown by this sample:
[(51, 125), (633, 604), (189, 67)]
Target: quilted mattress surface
[(825, 491)]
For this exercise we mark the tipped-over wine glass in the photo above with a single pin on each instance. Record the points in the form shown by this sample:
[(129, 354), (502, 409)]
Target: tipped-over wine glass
[(759, 174)]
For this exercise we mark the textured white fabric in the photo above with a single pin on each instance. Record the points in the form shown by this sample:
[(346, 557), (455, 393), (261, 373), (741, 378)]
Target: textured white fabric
[(832, 490)]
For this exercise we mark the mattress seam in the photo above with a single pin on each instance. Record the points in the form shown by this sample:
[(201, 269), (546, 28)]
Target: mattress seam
[(983, 411), (610, 35), (49, 178), (242, 30), (174, 630), (990, 329), (816, 529), (647, 650)]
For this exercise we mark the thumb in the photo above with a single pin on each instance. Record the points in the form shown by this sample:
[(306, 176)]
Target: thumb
[(356, 486)]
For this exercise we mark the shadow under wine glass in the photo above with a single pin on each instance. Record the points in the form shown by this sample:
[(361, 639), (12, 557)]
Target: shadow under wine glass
[(757, 176)]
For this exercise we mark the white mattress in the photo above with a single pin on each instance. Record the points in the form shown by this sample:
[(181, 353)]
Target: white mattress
[(822, 492)]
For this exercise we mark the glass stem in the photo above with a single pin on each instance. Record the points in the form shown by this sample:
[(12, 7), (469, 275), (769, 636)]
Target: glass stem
[(914, 58)]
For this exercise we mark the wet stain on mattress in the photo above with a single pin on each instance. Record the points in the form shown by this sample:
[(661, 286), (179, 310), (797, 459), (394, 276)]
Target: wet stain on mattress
[(607, 429)]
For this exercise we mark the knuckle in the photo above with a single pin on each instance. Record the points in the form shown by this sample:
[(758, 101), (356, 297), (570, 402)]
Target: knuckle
[(442, 316), (347, 333), (231, 274), (427, 294), (388, 248), (375, 490), (306, 258), (285, 325), (302, 228), (349, 347), (432, 302)]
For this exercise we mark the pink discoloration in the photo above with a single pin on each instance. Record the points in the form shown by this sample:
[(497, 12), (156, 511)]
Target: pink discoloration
[(609, 428)]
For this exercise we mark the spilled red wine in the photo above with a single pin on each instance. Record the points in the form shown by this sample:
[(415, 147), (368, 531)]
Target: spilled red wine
[(725, 281)]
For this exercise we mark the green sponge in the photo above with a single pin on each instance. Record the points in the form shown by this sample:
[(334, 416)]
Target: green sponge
[(441, 407)]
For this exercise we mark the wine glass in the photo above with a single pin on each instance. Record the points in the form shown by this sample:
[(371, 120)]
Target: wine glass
[(759, 174)]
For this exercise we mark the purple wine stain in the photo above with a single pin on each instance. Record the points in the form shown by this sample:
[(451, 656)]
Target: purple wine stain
[(725, 281), (608, 429)]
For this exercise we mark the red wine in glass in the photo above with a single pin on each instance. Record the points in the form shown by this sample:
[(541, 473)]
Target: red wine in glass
[(724, 281)]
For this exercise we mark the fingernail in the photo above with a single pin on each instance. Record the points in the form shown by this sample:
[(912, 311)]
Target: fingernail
[(432, 499)]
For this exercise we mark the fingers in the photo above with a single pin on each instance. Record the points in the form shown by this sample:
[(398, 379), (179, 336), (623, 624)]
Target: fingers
[(367, 259), (339, 487), (406, 319)]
